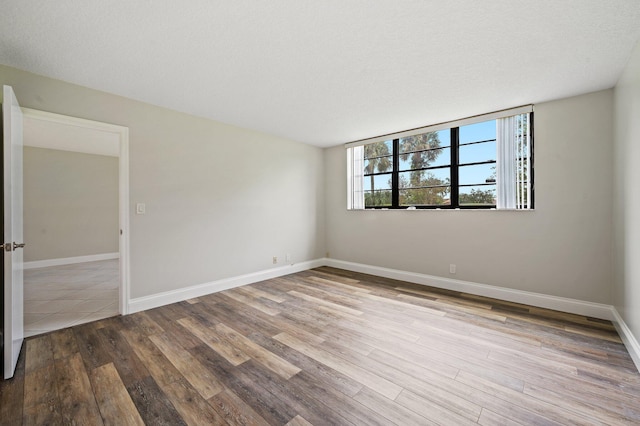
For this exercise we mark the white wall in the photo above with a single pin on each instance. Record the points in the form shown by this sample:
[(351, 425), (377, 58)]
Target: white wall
[(563, 248), (70, 204), (626, 217), (220, 200)]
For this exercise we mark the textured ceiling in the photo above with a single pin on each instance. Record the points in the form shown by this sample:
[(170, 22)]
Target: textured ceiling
[(325, 72)]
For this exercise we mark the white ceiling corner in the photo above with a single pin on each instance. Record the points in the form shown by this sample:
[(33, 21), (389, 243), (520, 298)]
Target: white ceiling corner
[(331, 71)]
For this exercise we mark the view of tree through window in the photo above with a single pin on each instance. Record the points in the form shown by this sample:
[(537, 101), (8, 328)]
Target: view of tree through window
[(378, 165), (425, 169), (450, 168)]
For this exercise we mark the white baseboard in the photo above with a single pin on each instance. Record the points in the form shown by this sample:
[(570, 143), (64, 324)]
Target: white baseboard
[(595, 310), (167, 297), (627, 336), (70, 260)]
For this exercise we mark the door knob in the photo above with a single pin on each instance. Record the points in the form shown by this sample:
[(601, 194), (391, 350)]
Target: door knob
[(17, 245)]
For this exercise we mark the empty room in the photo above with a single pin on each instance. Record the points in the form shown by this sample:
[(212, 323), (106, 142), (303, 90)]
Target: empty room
[(320, 213)]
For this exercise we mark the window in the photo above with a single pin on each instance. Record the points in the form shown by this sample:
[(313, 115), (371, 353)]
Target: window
[(481, 162)]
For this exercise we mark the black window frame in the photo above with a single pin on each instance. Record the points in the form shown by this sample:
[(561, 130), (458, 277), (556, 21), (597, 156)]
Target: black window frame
[(454, 167)]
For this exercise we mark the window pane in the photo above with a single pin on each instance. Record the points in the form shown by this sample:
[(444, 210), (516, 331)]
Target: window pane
[(478, 132), (478, 195), (377, 199), (377, 190), (378, 165), (481, 173), (425, 197), (378, 157), (477, 152), (377, 182), (416, 160), (426, 187)]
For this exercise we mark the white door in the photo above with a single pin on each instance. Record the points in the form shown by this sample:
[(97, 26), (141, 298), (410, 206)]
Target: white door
[(13, 238)]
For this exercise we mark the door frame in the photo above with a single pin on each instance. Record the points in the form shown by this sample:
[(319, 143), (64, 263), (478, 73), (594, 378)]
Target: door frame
[(122, 133)]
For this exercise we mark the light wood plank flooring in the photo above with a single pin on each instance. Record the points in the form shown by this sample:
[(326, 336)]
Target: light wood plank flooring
[(328, 347), (56, 297)]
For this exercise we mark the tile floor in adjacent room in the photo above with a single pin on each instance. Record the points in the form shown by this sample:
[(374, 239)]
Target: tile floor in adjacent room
[(56, 297)]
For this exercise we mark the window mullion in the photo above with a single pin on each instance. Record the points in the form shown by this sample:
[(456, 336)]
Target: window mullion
[(395, 176), (455, 133)]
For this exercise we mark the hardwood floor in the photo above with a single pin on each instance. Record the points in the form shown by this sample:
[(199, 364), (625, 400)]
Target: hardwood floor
[(328, 347)]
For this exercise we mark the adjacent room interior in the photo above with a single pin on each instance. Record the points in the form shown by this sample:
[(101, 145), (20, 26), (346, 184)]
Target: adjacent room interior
[(314, 232), (71, 255)]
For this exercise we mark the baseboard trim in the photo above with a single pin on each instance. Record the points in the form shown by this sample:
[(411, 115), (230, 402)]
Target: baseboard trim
[(630, 341), (595, 310), (178, 295), (70, 260)]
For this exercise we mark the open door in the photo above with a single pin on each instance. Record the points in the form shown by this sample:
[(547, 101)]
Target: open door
[(13, 237)]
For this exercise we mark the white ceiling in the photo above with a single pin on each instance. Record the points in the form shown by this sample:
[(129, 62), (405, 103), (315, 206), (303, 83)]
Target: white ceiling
[(329, 71)]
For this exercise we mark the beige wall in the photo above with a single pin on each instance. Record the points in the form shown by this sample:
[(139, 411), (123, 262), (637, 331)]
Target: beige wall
[(626, 217), (220, 200), (563, 248), (70, 204)]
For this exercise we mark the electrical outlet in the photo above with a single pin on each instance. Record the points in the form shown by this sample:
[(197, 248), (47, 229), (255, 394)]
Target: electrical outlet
[(275, 259), (452, 268), (327, 255), (287, 258)]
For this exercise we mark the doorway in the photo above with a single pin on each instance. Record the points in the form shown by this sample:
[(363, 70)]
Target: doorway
[(70, 279)]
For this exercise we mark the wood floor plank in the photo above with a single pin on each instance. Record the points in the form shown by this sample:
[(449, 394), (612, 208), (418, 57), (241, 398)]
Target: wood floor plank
[(328, 346), (321, 302), (260, 400), (431, 410), (255, 292), (489, 418), (41, 400), (142, 322), (298, 421), (373, 381), (270, 360), (77, 402), (166, 318), (391, 410), (312, 370), (214, 341), (63, 343), (39, 353), (557, 414), (129, 366), (192, 407), (298, 399), (114, 402), (205, 383), (234, 410), (153, 405), (251, 302), (91, 347), (160, 368)]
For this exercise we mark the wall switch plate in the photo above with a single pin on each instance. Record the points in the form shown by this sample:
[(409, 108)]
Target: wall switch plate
[(141, 208)]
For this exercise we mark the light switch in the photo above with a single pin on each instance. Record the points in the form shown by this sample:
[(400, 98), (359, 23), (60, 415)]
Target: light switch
[(141, 208)]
